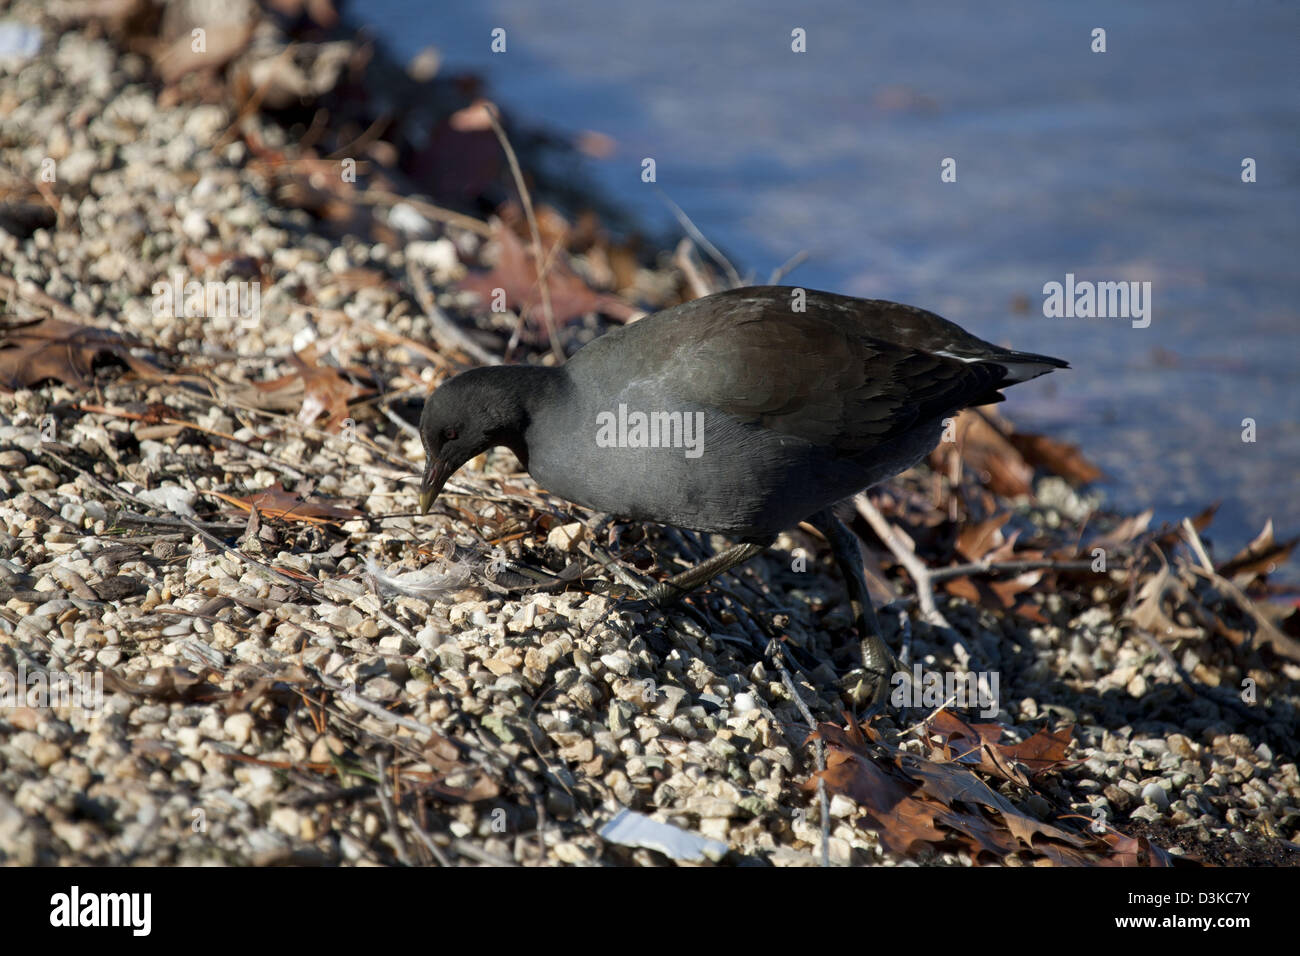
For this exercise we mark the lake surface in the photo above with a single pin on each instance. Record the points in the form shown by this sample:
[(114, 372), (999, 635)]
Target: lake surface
[(1117, 166)]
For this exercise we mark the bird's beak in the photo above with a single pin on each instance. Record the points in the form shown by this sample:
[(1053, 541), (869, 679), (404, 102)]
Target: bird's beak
[(436, 474)]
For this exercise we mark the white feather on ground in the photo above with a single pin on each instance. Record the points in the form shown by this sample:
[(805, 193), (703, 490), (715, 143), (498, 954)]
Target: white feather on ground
[(427, 583)]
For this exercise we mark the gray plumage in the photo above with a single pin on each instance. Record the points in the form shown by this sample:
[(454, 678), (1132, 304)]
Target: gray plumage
[(799, 408)]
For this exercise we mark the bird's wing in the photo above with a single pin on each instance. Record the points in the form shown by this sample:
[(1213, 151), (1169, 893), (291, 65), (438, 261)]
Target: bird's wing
[(817, 377)]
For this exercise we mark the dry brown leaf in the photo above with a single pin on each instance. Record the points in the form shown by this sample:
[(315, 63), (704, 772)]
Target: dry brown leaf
[(168, 683), (986, 451), (63, 351), (974, 541), (275, 502), (516, 274), (1124, 532), (324, 389), (1149, 614), (223, 42), (1261, 556), (1058, 457), (912, 801)]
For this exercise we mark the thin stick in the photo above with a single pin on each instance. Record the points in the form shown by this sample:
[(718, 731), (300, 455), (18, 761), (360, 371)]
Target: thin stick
[(248, 449), (447, 332), (819, 749), (693, 231), (1194, 540), (925, 720), (686, 262), (386, 801), (916, 569), (1005, 567), (526, 198), (433, 847), (785, 268), (379, 197)]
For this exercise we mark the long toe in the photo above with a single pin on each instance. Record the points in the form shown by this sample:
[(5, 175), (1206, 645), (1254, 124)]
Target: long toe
[(870, 684), (665, 593)]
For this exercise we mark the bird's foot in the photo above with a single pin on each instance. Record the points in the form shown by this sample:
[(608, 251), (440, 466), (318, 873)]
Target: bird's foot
[(665, 593), (866, 689)]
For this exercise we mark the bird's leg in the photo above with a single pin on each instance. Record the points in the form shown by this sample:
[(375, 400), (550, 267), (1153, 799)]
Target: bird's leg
[(666, 592), (877, 660)]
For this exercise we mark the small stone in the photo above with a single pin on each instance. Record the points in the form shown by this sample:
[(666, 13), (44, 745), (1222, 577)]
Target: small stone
[(382, 688), (842, 806), (505, 661), (45, 753), (1155, 794), (715, 828), (499, 727), (569, 852), (619, 662), (239, 728), (584, 695), (565, 537), (287, 821), (77, 838), (195, 226), (672, 698), (325, 748)]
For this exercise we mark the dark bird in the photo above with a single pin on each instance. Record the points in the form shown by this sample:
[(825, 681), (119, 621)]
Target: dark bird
[(741, 413)]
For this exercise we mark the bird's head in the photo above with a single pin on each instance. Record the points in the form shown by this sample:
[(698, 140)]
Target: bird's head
[(466, 416)]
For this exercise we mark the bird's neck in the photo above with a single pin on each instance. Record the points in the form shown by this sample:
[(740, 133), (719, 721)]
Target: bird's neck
[(524, 390)]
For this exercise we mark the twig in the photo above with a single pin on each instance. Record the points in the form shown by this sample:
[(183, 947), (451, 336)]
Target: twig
[(386, 805), (543, 286), (349, 695), (465, 848), (254, 100), (916, 569), (785, 268), (401, 423), (702, 241), (396, 338), (299, 585), (128, 516), (40, 297), (252, 452), (686, 262), (1004, 567), (429, 842), (447, 332), (380, 197), (523, 314), (819, 749), (925, 720), (290, 423), (1194, 539)]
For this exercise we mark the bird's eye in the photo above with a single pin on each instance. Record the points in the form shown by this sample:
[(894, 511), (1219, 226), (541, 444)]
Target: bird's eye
[(449, 433)]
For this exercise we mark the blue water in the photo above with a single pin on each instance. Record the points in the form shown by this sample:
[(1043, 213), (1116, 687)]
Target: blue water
[(1123, 165)]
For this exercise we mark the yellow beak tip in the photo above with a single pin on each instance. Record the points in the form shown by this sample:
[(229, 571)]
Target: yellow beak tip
[(426, 502)]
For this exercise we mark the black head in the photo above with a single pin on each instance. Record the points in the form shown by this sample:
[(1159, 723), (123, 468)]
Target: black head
[(467, 415)]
